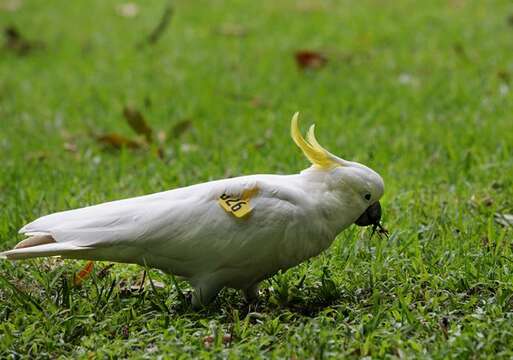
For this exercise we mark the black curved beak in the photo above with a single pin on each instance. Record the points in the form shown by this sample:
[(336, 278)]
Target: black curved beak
[(371, 216)]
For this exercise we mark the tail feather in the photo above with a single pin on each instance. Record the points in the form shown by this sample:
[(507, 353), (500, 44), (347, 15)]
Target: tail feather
[(44, 249), (35, 241)]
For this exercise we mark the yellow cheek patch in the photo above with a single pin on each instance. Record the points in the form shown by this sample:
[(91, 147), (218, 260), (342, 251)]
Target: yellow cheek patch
[(238, 206)]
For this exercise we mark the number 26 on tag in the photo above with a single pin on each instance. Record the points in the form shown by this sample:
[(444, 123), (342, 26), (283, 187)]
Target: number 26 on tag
[(237, 206)]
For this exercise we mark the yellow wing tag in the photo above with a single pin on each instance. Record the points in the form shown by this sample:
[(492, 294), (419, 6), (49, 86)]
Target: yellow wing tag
[(237, 206)]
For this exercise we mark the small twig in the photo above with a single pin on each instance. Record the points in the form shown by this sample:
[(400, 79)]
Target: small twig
[(381, 230), (162, 25)]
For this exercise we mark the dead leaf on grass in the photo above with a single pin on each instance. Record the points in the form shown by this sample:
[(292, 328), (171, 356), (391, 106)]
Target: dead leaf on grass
[(105, 271), (117, 141), (209, 340), (161, 27), (308, 59), (17, 43), (137, 122), (83, 274)]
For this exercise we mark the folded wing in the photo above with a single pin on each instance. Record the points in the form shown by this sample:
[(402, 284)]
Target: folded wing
[(180, 231)]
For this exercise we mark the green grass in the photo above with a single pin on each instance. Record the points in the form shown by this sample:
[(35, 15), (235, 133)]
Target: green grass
[(419, 91)]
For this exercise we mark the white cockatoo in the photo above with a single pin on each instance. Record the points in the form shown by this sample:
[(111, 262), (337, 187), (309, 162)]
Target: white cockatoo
[(227, 233)]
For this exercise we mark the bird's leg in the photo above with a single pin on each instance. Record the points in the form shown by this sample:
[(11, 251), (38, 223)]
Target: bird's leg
[(251, 293), (204, 294)]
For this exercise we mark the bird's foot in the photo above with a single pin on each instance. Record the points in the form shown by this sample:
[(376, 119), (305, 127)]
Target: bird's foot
[(251, 294)]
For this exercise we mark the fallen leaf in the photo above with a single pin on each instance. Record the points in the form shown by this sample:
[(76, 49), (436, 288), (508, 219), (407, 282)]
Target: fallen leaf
[(227, 339), (308, 59), (504, 219), (125, 332), (83, 274), (235, 30), (117, 141), (181, 127), (15, 42), (105, 271), (209, 340), (128, 10), (137, 122), (162, 25)]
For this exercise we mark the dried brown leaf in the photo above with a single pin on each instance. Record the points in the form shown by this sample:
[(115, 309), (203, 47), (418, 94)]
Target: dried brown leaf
[(117, 141), (308, 59), (209, 340), (125, 331), (137, 122), (159, 30), (17, 43), (83, 274), (105, 271)]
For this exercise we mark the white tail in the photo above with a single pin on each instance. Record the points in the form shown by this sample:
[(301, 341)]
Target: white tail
[(28, 248)]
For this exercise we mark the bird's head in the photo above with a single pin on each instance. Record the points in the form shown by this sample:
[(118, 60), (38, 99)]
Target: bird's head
[(366, 186)]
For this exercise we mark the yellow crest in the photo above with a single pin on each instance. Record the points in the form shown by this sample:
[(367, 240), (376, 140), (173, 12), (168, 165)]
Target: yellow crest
[(314, 152)]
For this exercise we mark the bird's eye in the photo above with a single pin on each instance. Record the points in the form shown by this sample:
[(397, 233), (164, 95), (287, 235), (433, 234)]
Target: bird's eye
[(367, 197)]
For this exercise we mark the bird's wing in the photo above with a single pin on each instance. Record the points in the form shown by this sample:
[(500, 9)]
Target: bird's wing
[(177, 229)]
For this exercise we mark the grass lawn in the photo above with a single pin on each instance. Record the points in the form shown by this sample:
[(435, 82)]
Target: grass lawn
[(419, 91)]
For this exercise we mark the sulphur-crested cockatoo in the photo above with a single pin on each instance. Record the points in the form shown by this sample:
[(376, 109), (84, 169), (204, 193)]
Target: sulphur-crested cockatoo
[(225, 233)]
